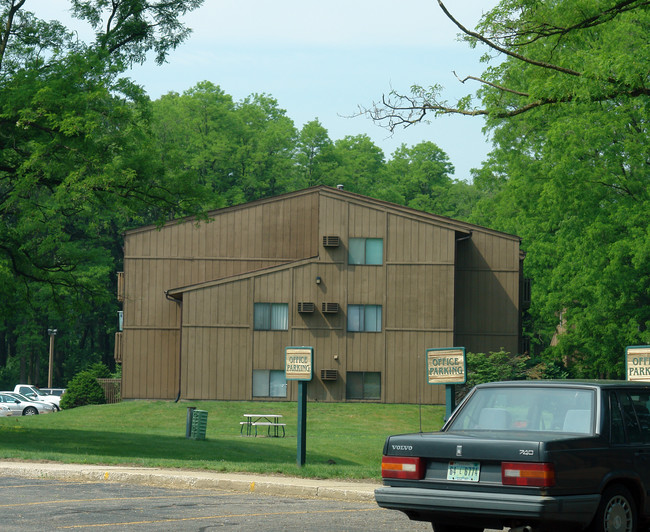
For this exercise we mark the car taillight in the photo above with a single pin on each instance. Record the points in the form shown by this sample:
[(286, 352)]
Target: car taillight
[(541, 475), (405, 467)]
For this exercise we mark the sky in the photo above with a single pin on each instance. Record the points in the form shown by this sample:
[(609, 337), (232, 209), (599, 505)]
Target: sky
[(326, 60)]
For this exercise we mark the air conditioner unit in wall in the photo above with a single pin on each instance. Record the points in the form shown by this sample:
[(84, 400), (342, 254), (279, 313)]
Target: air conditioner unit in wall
[(328, 374), (306, 306), (330, 241), (330, 308)]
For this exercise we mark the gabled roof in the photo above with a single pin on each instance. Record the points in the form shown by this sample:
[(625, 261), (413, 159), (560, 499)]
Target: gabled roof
[(456, 225), (177, 293)]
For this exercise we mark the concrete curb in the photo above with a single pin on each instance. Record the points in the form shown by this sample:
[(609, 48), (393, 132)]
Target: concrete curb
[(173, 478)]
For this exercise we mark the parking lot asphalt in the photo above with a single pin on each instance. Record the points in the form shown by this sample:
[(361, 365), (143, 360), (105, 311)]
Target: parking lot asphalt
[(179, 478)]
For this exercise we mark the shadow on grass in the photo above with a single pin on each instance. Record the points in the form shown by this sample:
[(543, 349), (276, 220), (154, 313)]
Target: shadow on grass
[(72, 445)]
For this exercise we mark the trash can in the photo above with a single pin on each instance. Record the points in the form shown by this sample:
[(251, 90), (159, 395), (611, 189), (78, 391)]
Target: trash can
[(199, 424), (188, 421)]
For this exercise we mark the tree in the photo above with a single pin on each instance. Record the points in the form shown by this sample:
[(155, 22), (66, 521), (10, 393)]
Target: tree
[(568, 110), (228, 152), (264, 149), (196, 135), (314, 156), (422, 176), (556, 53), (74, 165), (360, 166)]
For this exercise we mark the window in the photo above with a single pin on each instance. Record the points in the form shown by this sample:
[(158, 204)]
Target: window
[(617, 431), (528, 408), (269, 383), (271, 317), (364, 318), (636, 416), (366, 251), (363, 385)]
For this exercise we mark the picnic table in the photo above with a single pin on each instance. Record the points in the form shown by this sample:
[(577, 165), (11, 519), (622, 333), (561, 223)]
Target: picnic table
[(270, 421)]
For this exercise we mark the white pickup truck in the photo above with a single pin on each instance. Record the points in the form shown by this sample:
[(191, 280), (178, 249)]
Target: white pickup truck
[(34, 393)]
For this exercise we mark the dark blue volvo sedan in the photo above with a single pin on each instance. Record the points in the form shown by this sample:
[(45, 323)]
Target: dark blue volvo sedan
[(529, 455)]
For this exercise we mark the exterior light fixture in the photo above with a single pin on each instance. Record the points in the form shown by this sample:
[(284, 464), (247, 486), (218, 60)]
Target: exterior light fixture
[(318, 279)]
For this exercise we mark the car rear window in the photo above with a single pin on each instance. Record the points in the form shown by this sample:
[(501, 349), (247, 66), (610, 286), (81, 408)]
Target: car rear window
[(569, 410)]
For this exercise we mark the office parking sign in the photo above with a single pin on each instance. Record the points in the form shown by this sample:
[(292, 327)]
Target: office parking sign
[(637, 363), (299, 363), (446, 366)]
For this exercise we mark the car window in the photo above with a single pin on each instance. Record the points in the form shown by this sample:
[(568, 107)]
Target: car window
[(635, 416), (617, 430), (7, 399), (568, 410)]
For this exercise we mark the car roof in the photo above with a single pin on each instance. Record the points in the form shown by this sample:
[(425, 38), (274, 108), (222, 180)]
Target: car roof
[(566, 383)]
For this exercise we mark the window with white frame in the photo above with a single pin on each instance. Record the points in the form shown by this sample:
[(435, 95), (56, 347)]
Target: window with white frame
[(271, 317), (269, 383), (366, 251), (364, 318), (363, 385)]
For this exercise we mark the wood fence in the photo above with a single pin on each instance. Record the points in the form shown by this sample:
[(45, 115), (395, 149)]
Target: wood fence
[(112, 389)]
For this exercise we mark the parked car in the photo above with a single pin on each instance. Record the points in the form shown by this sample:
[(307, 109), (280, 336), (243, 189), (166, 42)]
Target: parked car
[(28, 390), (24, 406), (53, 391), (4, 411), (533, 455)]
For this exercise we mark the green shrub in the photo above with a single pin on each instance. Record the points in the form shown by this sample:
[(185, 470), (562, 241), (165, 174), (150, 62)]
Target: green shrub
[(491, 367), (100, 370), (502, 366), (83, 390)]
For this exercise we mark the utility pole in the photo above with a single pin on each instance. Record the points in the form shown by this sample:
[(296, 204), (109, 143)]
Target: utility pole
[(52, 333)]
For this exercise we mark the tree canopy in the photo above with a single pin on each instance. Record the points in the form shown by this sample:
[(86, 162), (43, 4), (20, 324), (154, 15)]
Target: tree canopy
[(549, 53), (565, 96), (74, 164), (85, 154)]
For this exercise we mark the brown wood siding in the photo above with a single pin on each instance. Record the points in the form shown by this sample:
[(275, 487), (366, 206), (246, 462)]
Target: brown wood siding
[(329, 353), (236, 240), (434, 292), (154, 376), (332, 289), (324, 332), (420, 298), (487, 293), (216, 363), (366, 222), (216, 342), (416, 242), (269, 346), (333, 222), (405, 378)]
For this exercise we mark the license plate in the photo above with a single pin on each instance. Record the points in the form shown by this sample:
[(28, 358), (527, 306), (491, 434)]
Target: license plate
[(465, 471)]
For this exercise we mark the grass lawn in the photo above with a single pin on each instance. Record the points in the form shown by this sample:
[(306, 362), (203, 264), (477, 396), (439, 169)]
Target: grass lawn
[(344, 440)]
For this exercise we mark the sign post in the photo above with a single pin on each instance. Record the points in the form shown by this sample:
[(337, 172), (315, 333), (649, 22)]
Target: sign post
[(447, 366), (299, 366), (637, 363)]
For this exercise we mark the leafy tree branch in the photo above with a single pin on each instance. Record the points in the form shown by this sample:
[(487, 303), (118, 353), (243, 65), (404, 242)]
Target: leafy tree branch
[(537, 37)]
